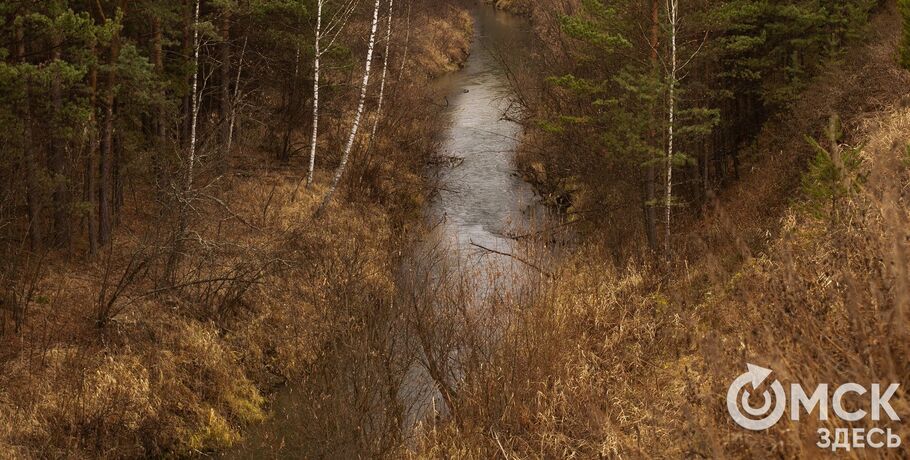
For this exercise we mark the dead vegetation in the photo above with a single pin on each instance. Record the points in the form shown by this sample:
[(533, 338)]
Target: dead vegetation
[(624, 363), (123, 356)]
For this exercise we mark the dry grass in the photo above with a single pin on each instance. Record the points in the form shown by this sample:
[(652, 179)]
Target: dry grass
[(263, 294), (612, 364), (170, 373), (620, 363), (452, 45)]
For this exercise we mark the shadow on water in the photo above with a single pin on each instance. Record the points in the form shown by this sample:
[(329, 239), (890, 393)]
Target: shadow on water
[(371, 391)]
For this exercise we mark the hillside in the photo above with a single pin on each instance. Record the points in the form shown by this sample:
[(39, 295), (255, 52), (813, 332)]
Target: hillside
[(625, 362), (454, 229), (131, 352)]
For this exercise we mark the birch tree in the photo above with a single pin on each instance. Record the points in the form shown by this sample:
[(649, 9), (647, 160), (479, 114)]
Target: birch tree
[(235, 100), (352, 136), (194, 105), (316, 60), (385, 66), (185, 195), (335, 26), (673, 18), (686, 123)]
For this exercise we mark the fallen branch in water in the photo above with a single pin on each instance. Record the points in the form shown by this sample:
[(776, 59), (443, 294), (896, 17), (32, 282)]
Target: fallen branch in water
[(518, 258)]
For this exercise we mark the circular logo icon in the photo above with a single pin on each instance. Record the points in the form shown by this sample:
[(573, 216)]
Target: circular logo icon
[(737, 404)]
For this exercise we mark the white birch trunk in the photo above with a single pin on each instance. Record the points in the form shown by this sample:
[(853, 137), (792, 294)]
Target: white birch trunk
[(316, 69), (672, 12), (236, 98), (173, 261), (191, 156), (339, 172), (385, 66)]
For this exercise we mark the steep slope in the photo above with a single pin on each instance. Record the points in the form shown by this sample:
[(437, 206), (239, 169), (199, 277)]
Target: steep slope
[(627, 363)]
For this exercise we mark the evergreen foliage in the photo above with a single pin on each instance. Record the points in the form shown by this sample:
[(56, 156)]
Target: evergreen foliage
[(834, 174), (771, 49), (904, 56)]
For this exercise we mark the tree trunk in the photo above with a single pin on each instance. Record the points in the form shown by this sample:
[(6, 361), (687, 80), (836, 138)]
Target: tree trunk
[(187, 192), (161, 121), (194, 104), (107, 148), (339, 172), (651, 169), (235, 100), (673, 11), (225, 106), (187, 48), (316, 69), (90, 190), (385, 66), (30, 155), (407, 42), (57, 158)]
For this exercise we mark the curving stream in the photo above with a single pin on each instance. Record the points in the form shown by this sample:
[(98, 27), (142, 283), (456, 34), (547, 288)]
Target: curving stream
[(465, 266), (481, 203)]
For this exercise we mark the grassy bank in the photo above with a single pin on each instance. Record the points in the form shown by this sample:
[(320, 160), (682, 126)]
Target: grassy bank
[(622, 360), (112, 363)]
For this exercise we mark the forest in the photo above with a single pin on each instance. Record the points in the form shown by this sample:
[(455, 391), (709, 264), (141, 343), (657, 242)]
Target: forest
[(448, 228)]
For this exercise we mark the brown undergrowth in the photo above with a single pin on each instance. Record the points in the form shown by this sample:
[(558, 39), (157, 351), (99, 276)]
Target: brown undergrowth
[(117, 358), (622, 363)]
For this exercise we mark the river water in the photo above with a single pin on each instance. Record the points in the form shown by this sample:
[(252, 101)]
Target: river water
[(482, 200), (469, 256), (471, 260)]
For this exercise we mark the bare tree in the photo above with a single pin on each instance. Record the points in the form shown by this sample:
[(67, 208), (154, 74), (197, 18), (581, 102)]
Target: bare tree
[(335, 26), (339, 172), (385, 66), (316, 58), (673, 18), (194, 110), (235, 100), (185, 194)]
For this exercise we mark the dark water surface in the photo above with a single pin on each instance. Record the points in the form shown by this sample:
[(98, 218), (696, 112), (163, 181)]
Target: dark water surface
[(481, 204), (482, 198)]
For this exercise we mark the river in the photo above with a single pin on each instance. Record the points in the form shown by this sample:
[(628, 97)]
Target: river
[(471, 260), (469, 256)]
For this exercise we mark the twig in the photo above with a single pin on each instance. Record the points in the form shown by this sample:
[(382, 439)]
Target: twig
[(518, 258)]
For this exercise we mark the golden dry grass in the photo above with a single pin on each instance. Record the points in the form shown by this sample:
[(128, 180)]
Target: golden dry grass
[(614, 364), (622, 363), (185, 371)]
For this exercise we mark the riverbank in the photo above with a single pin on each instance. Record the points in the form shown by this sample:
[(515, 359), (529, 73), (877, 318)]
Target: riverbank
[(186, 371), (623, 360)]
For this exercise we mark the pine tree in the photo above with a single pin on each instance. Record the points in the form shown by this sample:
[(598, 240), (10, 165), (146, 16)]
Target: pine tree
[(834, 173), (904, 57)]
